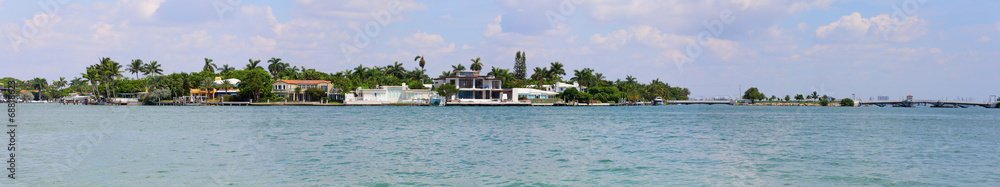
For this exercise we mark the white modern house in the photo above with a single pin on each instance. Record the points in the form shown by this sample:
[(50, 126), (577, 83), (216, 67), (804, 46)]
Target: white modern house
[(560, 87), (473, 87), (388, 95), (525, 94)]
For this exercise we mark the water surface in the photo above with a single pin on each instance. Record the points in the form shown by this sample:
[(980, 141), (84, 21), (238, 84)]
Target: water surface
[(505, 146)]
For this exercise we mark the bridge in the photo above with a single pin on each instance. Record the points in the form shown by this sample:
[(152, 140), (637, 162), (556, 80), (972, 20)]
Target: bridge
[(695, 102), (932, 103)]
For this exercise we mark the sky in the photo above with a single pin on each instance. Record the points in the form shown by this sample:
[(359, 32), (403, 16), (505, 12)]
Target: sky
[(931, 49)]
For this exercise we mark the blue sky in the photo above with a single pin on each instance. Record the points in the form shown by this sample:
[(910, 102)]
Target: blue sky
[(930, 49)]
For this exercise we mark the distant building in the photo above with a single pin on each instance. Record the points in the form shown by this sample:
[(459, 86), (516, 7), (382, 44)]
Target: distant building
[(560, 87), (476, 88), (525, 94), (388, 95), (217, 89), (883, 98), (286, 89)]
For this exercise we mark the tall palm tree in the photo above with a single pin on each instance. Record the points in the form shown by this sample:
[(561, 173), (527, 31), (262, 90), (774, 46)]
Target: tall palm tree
[(396, 69), (275, 66), (135, 67), (540, 74), (59, 84), (422, 62), (252, 64), (209, 66), (153, 68), (556, 71), (93, 76), (476, 64)]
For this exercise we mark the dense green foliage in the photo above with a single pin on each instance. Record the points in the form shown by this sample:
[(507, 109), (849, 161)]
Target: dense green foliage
[(447, 90), (753, 94), (107, 78), (846, 102)]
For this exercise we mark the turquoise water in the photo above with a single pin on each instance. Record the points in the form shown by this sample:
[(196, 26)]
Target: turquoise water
[(505, 146)]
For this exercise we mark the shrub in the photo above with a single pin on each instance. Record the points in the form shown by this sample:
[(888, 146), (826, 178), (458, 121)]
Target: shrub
[(846, 102), (824, 102)]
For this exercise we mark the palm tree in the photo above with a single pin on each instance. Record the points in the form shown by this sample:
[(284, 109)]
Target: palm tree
[(275, 66), (540, 74), (460, 67), (153, 68), (476, 64), (396, 69), (93, 76), (135, 67), (209, 66), (60, 83), (253, 64), (556, 71), (422, 62), (226, 69)]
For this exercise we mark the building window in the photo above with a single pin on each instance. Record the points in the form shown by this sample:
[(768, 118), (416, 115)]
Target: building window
[(465, 83), (464, 74)]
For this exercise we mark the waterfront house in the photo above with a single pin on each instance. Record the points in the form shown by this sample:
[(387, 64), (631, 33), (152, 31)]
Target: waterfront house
[(528, 94), (286, 89), (218, 88), (473, 87), (560, 87), (388, 95)]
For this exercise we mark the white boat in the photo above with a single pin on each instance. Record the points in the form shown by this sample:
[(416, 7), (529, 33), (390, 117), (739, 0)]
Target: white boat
[(658, 101)]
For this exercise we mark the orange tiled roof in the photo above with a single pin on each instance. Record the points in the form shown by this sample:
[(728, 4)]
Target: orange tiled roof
[(303, 81)]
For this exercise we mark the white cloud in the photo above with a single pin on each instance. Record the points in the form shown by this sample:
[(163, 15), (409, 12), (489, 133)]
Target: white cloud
[(447, 17), (803, 26), (645, 34), (983, 39), (854, 27), (419, 39), (494, 28)]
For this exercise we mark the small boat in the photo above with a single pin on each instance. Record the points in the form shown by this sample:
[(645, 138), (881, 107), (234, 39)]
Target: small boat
[(658, 101)]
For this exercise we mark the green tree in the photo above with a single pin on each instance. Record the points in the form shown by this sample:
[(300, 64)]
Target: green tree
[(315, 93), (520, 68), (153, 68), (421, 59), (26, 96), (799, 97), (814, 95), (226, 69), (846, 102), (476, 65), (209, 66), (447, 90), (275, 66), (788, 98), (253, 65), (556, 71), (135, 67), (59, 84), (255, 83), (753, 94), (824, 102), (772, 98)]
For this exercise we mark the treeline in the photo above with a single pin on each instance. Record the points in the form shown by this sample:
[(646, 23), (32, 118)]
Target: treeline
[(108, 77)]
